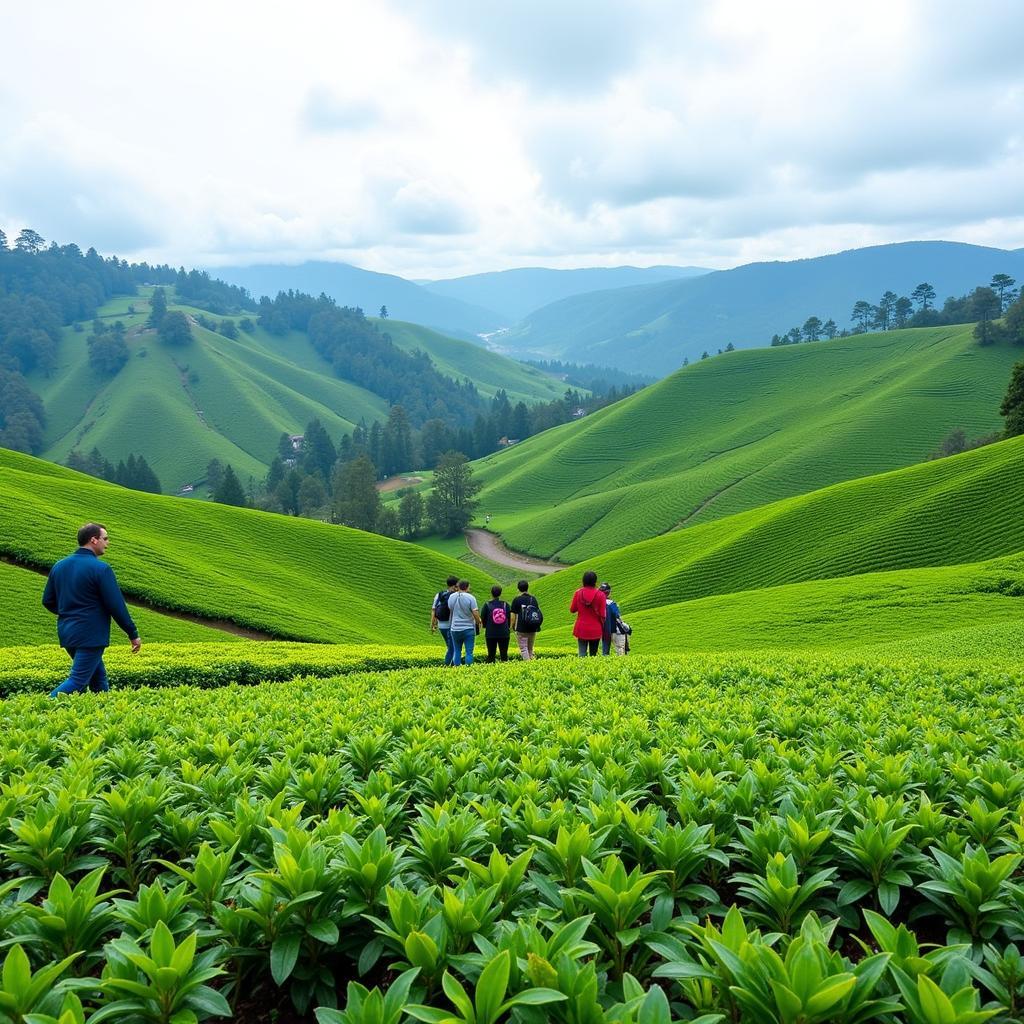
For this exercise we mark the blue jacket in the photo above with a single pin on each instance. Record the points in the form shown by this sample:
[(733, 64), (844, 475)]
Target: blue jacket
[(83, 593)]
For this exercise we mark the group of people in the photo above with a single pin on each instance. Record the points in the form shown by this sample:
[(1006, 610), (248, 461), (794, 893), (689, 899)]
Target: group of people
[(83, 593), (456, 615)]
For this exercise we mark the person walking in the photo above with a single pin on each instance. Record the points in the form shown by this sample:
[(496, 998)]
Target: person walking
[(496, 614), (466, 623), (83, 593), (613, 635), (441, 616), (526, 624), (589, 605)]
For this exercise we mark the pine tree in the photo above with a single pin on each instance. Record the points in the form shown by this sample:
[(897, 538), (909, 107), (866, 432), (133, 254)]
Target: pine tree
[(1013, 404), (230, 491), (157, 308), (356, 498)]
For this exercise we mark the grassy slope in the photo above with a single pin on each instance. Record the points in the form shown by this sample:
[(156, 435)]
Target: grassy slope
[(488, 370), (959, 611), (230, 399), (25, 621), (933, 551), (956, 510), (292, 577), (739, 431)]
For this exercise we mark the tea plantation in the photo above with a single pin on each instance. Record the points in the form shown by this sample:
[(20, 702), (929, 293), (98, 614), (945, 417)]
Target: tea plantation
[(739, 431), (638, 840)]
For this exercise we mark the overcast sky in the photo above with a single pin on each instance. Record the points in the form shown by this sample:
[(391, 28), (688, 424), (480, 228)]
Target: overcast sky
[(431, 138)]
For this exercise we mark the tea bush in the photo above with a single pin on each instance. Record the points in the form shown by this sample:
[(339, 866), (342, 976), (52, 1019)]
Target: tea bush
[(639, 840)]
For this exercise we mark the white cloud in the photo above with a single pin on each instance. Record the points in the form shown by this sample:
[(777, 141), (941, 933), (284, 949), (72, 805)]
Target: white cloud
[(426, 137)]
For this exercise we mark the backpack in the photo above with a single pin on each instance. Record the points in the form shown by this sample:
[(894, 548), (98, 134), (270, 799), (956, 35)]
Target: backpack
[(531, 616), (442, 611), (499, 613)]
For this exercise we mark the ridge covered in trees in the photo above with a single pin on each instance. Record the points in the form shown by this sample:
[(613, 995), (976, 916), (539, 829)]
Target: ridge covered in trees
[(983, 304)]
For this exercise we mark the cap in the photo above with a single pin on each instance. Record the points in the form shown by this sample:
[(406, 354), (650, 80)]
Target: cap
[(605, 587)]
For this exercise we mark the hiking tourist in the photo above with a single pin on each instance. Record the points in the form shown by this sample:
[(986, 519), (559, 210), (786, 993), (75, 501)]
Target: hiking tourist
[(496, 614), (466, 623), (614, 634), (83, 593), (526, 619), (589, 605), (441, 616)]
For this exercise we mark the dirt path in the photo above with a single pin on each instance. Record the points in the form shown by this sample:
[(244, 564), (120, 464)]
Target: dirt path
[(489, 546), (224, 625)]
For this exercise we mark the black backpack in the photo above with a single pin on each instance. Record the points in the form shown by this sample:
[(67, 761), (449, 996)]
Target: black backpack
[(442, 612), (531, 616)]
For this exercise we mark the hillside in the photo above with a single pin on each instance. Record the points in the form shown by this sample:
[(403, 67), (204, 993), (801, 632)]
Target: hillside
[(488, 370), (952, 611), (652, 328), (26, 621), (515, 293), (956, 510), (368, 290), (294, 578), (224, 398), (742, 430)]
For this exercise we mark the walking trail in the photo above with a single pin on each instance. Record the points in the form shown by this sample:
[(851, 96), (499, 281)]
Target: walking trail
[(489, 546)]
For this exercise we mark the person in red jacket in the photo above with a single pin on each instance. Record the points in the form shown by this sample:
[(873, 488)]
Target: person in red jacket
[(589, 605)]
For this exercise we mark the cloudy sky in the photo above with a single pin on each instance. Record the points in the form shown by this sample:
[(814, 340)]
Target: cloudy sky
[(431, 138)]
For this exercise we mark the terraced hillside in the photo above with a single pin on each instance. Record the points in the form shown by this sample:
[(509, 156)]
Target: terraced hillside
[(739, 431), (932, 555), (488, 371), (227, 399), (951, 511), (293, 578)]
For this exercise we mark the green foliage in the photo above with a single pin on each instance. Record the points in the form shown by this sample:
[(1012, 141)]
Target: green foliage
[(557, 851), (733, 434)]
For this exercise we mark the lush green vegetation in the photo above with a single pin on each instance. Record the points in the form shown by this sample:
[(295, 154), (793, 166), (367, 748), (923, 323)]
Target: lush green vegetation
[(618, 841), (26, 621), (294, 578), (186, 662), (489, 371), (962, 509), (739, 431)]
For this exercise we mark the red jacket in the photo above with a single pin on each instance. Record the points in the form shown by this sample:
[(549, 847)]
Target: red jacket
[(589, 605)]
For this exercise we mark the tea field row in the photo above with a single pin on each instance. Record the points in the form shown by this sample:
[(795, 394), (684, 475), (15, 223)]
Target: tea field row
[(557, 841)]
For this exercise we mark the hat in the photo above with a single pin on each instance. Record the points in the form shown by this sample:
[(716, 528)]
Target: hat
[(605, 587)]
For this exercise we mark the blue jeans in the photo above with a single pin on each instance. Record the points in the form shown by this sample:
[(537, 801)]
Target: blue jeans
[(446, 635), (460, 638), (87, 672)]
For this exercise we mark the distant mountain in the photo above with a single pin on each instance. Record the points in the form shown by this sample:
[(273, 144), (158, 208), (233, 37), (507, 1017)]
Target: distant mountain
[(652, 328), (351, 286), (515, 293)]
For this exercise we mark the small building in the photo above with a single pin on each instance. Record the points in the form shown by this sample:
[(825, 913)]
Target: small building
[(579, 412), (187, 489), (296, 441)]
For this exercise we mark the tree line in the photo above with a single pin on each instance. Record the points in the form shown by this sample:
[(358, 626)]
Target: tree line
[(894, 312), (133, 472)]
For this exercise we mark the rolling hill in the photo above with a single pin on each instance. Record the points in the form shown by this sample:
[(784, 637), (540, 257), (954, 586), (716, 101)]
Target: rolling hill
[(742, 430), (368, 290), (515, 293), (293, 578), (652, 328), (488, 371), (228, 399), (950, 511), (932, 549)]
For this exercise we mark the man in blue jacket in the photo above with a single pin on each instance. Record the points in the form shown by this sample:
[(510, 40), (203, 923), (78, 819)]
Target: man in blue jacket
[(83, 593)]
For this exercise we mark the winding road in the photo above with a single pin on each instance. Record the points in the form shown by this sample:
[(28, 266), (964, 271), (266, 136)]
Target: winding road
[(489, 546)]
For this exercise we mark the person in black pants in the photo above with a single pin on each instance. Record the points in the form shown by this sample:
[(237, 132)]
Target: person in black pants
[(496, 615)]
